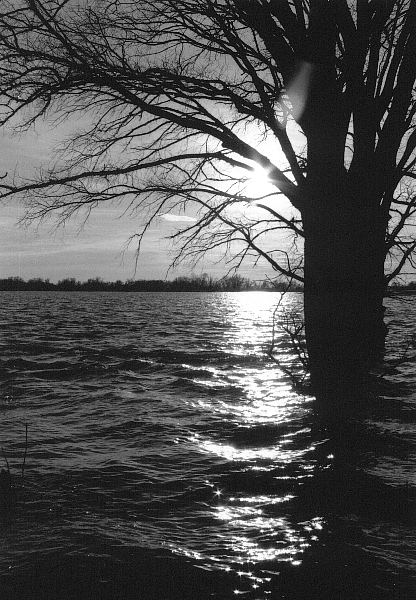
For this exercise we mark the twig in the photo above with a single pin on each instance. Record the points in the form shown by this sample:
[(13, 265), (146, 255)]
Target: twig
[(294, 331)]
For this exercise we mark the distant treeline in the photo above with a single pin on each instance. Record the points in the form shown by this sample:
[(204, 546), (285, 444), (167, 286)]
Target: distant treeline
[(203, 283), (404, 287)]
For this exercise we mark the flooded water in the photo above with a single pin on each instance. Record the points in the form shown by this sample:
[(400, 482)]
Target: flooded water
[(168, 457)]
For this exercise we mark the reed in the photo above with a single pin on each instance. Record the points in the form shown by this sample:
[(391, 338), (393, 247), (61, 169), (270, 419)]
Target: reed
[(8, 487)]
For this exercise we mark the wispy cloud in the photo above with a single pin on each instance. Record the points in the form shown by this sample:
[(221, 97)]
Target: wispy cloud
[(176, 218)]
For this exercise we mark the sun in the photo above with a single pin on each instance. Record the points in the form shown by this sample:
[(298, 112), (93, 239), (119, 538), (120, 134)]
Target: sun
[(262, 192), (259, 183)]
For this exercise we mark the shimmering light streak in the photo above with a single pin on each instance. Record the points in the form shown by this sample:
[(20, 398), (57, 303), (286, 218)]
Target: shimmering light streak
[(228, 513), (267, 431), (229, 452), (262, 499)]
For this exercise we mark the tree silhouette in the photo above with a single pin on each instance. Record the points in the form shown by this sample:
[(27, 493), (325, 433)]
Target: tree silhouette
[(172, 95)]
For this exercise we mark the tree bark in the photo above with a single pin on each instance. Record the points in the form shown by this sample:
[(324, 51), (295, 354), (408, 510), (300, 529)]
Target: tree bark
[(344, 290), (344, 248)]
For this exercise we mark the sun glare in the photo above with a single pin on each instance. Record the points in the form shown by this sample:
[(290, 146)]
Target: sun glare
[(258, 183)]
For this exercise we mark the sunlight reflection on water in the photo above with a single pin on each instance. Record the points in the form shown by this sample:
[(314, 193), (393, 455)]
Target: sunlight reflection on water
[(253, 531), (231, 453)]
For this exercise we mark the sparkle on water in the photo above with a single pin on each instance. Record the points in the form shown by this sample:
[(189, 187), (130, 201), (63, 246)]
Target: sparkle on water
[(266, 398)]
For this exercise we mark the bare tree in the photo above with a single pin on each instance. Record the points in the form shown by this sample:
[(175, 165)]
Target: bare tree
[(170, 93)]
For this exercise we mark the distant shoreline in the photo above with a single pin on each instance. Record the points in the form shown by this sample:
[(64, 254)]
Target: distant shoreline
[(233, 283), (398, 291), (155, 291)]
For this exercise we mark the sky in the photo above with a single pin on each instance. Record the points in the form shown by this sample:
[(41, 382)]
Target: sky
[(97, 248)]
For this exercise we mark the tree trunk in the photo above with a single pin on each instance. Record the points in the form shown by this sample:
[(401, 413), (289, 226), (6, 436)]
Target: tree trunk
[(344, 289), (344, 235)]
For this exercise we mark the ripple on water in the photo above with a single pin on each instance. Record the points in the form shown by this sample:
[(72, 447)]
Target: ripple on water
[(161, 439)]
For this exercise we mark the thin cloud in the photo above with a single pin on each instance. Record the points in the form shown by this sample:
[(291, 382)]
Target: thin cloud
[(176, 218)]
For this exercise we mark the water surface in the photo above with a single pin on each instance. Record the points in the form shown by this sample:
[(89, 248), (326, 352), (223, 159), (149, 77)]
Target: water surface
[(168, 457)]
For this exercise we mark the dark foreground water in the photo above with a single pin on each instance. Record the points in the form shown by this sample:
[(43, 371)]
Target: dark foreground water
[(168, 458)]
